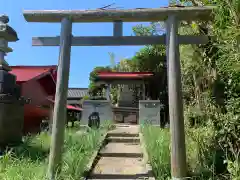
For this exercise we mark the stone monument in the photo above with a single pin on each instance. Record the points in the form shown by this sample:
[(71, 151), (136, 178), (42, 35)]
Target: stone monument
[(11, 102), (102, 107), (125, 97), (149, 112)]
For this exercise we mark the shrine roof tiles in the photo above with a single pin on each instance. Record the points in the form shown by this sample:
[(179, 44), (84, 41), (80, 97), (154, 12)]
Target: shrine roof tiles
[(77, 92)]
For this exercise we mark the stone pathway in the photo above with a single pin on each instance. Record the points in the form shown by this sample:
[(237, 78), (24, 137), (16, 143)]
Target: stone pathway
[(122, 157)]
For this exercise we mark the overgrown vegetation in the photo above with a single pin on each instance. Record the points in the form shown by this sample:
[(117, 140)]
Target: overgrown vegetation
[(211, 93), (157, 144), (201, 158), (29, 161)]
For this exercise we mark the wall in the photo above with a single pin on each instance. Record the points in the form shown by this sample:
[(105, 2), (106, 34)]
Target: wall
[(149, 112), (74, 102), (33, 90), (33, 112), (103, 107)]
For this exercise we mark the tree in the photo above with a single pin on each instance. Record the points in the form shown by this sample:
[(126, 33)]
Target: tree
[(96, 90)]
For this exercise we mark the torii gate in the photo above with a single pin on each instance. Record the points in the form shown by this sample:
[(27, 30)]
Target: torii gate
[(171, 15)]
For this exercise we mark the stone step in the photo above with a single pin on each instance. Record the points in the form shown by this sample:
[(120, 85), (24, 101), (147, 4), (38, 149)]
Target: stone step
[(132, 150), (124, 131), (110, 134), (120, 177), (123, 139), (125, 177), (119, 168), (121, 155)]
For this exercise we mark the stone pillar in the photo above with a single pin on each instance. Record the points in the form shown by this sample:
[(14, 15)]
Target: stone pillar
[(11, 103), (143, 92), (108, 92)]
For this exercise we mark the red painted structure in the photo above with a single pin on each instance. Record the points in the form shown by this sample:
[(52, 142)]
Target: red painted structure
[(37, 83), (123, 75)]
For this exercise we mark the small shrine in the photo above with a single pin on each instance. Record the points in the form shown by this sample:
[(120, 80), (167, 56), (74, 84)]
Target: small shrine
[(133, 87)]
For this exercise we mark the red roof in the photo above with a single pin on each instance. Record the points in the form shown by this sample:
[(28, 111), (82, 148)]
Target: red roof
[(26, 73), (124, 75)]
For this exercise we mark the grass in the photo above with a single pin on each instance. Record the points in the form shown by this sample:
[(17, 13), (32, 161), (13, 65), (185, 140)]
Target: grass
[(157, 145), (29, 161), (201, 157)]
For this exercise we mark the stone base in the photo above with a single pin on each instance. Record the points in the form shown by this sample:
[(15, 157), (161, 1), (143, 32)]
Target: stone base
[(129, 103), (11, 123)]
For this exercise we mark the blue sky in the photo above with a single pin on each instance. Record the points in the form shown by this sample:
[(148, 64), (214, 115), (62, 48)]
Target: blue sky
[(83, 59)]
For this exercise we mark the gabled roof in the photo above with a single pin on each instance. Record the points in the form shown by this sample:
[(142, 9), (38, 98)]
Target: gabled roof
[(26, 73), (77, 92)]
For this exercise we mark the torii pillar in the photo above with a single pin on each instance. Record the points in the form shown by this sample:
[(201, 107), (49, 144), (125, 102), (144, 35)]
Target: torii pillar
[(178, 150)]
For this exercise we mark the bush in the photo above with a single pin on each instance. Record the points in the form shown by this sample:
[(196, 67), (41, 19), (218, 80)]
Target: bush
[(204, 157), (217, 141)]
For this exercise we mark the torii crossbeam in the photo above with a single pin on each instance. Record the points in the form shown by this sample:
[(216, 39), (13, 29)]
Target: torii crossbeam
[(171, 15)]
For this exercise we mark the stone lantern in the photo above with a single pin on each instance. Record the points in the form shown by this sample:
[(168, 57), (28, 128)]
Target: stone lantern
[(11, 102)]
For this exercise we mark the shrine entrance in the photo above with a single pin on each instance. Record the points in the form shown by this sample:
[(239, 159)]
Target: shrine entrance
[(172, 16), (131, 88)]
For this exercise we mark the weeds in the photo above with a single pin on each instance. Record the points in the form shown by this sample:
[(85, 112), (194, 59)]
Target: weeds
[(205, 161), (29, 161), (157, 143)]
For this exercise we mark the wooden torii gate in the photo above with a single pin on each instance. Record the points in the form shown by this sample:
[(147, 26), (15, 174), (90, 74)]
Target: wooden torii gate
[(171, 15)]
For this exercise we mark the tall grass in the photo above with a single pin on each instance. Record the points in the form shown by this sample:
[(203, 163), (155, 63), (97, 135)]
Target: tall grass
[(202, 156), (29, 161), (157, 144), (203, 159)]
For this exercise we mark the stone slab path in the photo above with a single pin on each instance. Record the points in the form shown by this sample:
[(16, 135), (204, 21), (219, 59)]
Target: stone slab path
[(122, 157)]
